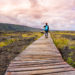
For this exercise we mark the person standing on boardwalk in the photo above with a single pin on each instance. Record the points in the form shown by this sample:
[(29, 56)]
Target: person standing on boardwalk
[(46, 28)]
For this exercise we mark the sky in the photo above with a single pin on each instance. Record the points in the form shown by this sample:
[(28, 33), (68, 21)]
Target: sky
[(60, 14)]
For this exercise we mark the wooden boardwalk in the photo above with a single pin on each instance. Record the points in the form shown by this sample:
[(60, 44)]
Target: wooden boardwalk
[(40, 58)]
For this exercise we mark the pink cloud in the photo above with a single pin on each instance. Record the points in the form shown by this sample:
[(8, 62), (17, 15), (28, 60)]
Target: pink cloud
[(34, 12)]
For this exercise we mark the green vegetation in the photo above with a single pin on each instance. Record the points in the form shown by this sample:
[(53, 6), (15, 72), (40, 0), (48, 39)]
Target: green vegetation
[(61, 39), (7, 42), (23, 35), (32, 35), (69, 60), (13, 27), (12, 43), (72, 47), (61, 42), (65, 42)]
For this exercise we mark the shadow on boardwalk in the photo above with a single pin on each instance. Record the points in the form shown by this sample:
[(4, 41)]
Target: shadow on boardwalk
[(40, 58)]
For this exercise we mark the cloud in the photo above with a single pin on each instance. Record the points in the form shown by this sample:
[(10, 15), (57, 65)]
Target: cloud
[(60, 14)]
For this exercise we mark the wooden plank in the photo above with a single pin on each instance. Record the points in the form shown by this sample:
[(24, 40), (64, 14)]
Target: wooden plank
[(42, 71), (23, 68), (37, 65), (40, 58)]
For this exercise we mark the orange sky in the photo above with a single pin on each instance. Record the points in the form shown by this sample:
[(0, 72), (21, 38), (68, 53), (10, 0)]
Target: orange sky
[(60, 14)]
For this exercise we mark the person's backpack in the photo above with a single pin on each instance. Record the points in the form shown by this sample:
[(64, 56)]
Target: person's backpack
[(46, 28)]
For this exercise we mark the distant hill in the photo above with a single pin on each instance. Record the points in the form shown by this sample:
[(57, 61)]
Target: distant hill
[(13, 27)]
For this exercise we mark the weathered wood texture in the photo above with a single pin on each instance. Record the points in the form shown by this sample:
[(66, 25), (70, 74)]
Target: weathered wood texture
[(40, 58)]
